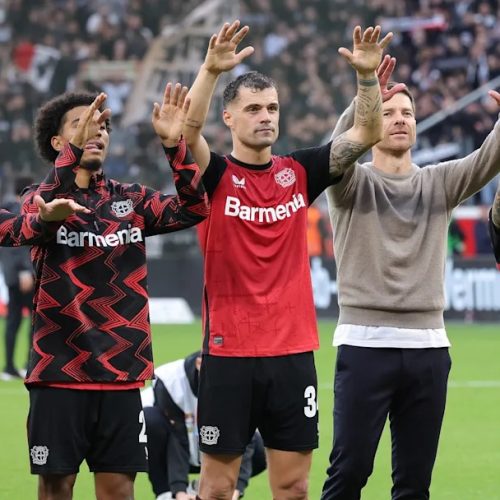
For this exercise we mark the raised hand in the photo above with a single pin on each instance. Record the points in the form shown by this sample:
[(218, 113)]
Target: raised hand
[(495, 96), (169, 118), (367, 50), (384, 73), (58, 209), (221, 54), (90, 122)]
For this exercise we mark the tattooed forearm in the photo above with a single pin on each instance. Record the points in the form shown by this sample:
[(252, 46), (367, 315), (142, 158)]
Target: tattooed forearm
[(495, 210), (197, 124), (369, 103), (343, 153)]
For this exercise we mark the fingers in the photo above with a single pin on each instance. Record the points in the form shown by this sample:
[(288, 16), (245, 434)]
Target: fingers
[(238, 37), (222, 33), (244, 53), (212, 42), (388, 94), (356, 35), (156, 111), (385, 69), (346, 54), (187, 103), (494, 95), (167, 93), (386, 40), (39, 202), (232, 29), (76, 207), (174, 95)]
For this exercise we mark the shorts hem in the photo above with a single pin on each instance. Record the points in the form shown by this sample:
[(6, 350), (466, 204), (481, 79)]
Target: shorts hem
[(305, 447), (56, 472), (128, 468), (213, 451)]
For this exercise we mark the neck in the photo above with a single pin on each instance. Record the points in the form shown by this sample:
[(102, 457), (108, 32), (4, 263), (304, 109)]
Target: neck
[(250, 155), (392, 163), (83, 176)]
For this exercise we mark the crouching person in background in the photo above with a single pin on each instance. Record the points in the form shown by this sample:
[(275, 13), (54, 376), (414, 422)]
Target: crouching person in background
[(170, 407)]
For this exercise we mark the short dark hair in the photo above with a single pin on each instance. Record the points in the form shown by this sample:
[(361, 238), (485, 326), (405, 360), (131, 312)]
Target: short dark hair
[(404, 91), (251, 80), (49, 120)]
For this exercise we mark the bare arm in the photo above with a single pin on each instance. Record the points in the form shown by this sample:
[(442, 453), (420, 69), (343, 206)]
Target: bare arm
[(366, 130), (221, 56), (495, 209)]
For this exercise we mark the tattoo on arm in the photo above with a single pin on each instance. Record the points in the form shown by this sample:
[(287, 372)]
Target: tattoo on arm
[(495, 210), (193, 124), (343, 153), (368, 103)]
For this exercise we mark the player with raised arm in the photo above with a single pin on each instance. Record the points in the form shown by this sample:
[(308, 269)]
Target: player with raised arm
[(92, 341), (258, 317)]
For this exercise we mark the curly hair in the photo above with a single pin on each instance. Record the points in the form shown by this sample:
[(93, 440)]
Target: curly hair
[(50, 120), (251, 80)]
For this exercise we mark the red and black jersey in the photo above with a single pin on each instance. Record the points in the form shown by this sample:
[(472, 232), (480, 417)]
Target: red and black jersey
[(91, 318), (258, 298), (495, 240), (17, 230)]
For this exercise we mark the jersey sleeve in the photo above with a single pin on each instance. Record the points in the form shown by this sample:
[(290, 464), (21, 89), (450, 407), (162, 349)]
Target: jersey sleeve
[(495, 240), (166, 213), (316, 162), (214, 172), (61, 177)]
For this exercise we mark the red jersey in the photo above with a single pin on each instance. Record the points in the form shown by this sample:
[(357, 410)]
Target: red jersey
[(258, 298)]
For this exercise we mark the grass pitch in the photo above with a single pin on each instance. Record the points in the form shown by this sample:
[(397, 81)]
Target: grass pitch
[(469, 453)]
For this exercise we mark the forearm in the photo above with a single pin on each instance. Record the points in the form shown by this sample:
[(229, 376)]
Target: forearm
[(61, 177), (495, 210), (366, 129), (201, 93)]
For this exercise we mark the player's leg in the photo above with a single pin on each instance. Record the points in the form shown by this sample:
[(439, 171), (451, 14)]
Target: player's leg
[(56, 487), (118, 447), (224, 421), (289, 473), (289, 427), (114, 485), (57, 438), (12, 322), (365, 381), (218, 477), (157, 430), (416, 418)]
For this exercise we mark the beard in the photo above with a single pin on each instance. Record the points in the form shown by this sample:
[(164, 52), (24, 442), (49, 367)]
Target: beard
[(91, 165)]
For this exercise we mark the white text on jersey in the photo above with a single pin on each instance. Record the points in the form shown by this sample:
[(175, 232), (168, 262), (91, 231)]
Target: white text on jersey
[(234, 208), (82, 239)]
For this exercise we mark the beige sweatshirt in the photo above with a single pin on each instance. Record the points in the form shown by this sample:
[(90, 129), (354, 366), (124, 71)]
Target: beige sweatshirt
[(390, 234)]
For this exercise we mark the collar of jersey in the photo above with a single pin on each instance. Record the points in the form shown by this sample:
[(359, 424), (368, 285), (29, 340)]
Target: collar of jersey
[(250, 165)]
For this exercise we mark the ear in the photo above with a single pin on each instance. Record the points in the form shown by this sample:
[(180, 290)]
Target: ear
[(57, 142), (227, 117)]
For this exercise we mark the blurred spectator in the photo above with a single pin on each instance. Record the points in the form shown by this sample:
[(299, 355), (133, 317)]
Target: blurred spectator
[(481, 234), (456, 239)]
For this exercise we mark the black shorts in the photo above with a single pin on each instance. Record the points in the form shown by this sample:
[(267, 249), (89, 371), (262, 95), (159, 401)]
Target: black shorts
[(277, 395), (67, 426)]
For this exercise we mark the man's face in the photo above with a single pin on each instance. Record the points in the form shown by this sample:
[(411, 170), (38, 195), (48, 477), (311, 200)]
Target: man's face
[(95, 151), (253, 117), (399, 125)]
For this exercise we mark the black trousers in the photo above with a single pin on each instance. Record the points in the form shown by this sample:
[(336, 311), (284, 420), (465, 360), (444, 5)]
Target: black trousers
[(17, 300), (408, 386)]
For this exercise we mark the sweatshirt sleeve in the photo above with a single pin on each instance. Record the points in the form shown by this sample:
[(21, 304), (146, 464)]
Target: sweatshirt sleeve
[(464, 177)]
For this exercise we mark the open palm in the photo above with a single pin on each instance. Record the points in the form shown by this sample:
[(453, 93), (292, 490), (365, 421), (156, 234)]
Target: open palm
[(221, 54), (367, 51), (168, 119)]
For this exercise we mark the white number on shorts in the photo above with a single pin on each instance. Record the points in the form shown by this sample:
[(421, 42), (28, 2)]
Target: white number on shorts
[(143, 437), (312, 407)]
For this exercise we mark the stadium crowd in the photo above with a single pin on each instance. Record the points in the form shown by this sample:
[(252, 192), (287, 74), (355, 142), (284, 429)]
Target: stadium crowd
[(444, 48)]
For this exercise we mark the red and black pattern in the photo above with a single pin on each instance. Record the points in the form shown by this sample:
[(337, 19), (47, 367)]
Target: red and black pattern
[(17, 230), (91, 316)]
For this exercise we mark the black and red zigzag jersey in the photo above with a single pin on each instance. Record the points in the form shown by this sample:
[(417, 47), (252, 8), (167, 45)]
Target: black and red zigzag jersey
[(258, 298), (495, 241), (27, 229), (91, 317)]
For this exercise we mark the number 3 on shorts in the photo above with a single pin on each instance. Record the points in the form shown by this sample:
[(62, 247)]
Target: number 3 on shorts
[(311, 408), (143, 437)]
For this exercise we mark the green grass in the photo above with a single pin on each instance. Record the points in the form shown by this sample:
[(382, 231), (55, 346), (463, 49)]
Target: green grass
[(469, 454)]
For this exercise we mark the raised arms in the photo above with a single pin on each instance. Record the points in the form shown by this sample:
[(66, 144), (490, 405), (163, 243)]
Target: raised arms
[(221, 56), (367, 127)]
